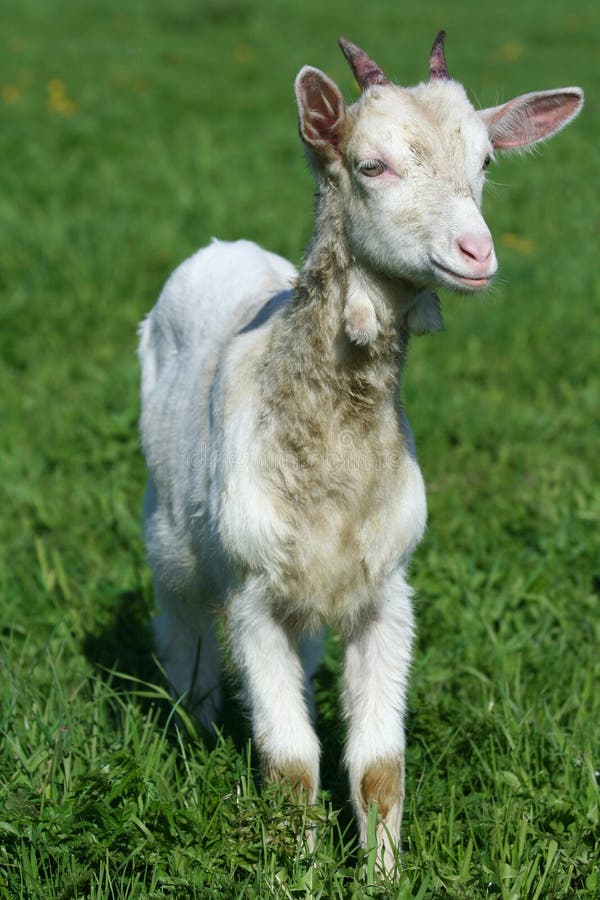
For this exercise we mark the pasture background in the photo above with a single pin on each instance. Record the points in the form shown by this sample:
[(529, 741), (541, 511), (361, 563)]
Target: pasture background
[(130, 134)]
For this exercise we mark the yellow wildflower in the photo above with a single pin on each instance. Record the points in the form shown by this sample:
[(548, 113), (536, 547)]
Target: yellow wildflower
[(511, 50), (522, 245), (58, 101), (10, 93), (243, 53)]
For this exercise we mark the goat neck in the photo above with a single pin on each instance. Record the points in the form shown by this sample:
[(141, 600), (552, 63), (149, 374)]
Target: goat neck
[(343, 334)]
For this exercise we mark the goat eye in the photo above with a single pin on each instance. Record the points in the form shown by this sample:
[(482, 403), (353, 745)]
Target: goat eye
[(371, 167), (486, 161)]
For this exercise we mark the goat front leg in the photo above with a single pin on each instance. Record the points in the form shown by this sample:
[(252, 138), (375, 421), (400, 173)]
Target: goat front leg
[(377, 663), (273, 681)]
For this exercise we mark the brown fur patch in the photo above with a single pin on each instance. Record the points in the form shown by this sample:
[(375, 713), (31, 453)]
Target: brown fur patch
[(383, 784), (293, 775)]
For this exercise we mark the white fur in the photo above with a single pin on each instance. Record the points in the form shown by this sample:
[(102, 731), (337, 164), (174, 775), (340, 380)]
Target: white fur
[(377, 665), (360, 317), (273, 677), (268, 496)]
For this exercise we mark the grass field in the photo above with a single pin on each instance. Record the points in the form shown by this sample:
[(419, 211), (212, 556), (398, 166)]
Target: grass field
[(130, 134)]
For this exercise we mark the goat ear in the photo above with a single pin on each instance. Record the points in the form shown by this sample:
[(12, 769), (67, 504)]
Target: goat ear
[(321, 111), (531, 117)]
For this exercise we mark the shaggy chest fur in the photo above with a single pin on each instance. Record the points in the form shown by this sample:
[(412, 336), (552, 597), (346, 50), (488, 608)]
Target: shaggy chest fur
[(345, 540), (327, 505)]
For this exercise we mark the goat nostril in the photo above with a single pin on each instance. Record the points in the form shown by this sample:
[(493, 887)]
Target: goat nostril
[(476, 248), (467, 251)]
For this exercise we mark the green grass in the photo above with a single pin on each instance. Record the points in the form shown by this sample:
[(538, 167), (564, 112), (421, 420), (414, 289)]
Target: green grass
[(130, 134)]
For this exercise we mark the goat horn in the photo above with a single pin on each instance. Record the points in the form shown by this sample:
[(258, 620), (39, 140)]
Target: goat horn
[(365, 70), (437, 60)]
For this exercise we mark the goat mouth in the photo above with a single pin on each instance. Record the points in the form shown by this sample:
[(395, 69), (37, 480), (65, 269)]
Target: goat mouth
[(455, 279)]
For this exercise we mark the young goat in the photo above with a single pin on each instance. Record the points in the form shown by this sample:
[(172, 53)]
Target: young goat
[(283, 485)]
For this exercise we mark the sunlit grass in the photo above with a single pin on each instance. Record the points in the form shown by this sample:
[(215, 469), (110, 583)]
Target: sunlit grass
[(131, 133)]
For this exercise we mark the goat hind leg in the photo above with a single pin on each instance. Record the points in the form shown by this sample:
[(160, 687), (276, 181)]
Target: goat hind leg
[(188, 647)]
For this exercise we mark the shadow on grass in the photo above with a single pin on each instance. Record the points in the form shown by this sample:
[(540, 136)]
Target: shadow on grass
[(331, 730), (125, 644), (124, 655)]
